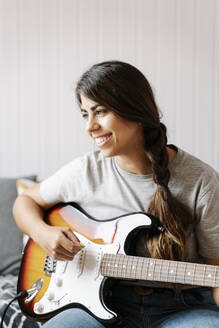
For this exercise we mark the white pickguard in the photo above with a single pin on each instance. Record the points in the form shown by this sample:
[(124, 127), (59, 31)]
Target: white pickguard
[(79, 281)]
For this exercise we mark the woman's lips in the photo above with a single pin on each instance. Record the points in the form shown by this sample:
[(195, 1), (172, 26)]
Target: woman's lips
[(103, 140)]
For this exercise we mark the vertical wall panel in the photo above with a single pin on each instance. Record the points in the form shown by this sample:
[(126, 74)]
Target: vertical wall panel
[(108, 30), (216, 88), (185, 71), (69, 69), (49, 85), (45, 45), (205, 79), (9, 86), (146, 33), (165, 80), (88, 32), (28, 83), (127, 42)]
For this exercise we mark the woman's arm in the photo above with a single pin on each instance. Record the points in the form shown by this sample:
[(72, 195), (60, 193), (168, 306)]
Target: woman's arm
[(215, 291), (28, 211)]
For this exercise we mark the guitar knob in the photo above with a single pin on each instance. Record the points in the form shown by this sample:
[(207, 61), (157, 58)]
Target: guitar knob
[(39, 307), (50, 296), (58, 282)]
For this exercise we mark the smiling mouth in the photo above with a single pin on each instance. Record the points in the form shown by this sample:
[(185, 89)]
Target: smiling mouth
[(101, 141)]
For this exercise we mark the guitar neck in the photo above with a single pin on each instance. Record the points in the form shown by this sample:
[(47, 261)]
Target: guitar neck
[(140, 268)]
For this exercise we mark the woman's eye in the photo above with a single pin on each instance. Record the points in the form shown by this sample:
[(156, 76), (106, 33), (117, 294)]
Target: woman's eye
[(101, 111), (84, 116)]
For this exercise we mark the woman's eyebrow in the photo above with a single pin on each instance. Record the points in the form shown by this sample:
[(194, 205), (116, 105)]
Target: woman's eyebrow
[(92, 108)]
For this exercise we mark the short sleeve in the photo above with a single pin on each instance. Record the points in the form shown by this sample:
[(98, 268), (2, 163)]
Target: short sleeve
[(207, 229), (58, 187)]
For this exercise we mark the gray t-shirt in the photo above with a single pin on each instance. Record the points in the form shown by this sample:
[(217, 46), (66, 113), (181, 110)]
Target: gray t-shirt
[(104, 190)]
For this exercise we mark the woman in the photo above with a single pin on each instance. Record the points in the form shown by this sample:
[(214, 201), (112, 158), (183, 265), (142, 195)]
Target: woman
[(133, 170)]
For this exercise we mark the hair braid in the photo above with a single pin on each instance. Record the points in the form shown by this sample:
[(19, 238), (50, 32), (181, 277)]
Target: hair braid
[(173, 216)]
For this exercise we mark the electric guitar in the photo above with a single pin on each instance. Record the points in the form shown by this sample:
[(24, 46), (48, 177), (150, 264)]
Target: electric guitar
[(54, 285)]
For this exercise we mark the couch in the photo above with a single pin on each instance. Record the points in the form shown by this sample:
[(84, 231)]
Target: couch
[(11, 245)]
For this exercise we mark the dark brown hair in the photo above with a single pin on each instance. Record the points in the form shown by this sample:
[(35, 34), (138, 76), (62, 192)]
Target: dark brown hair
[(125, 90)]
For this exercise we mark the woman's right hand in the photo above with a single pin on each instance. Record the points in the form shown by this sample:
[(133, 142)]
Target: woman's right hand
[(59, 242)]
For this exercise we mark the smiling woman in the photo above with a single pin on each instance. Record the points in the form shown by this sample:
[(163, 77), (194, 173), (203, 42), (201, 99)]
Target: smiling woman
[(133, 170)]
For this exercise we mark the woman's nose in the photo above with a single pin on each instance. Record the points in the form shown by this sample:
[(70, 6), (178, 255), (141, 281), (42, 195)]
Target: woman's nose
[(92, 125)]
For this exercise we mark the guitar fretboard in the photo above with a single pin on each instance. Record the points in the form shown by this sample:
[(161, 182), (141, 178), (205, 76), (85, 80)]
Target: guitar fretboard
[(140, 268)]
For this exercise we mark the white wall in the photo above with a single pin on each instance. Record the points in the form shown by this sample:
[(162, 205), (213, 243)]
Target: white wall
[(45, 45)]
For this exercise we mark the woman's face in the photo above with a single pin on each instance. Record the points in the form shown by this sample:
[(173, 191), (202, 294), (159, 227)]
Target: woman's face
[(113, 135)]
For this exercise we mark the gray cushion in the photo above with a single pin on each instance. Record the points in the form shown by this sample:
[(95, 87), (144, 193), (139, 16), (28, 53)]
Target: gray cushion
[(10, 236)]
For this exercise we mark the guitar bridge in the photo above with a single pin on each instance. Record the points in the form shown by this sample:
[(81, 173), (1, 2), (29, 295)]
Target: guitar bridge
[(49, 265)]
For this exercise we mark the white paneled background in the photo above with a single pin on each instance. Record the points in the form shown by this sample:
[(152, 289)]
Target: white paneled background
[(45, 45)]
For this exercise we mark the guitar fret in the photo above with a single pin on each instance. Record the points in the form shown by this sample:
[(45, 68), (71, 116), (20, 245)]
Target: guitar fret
[(123, 266), (137, 268), (190, 275), (215, 272), (140, 272), (209, 274), (144, 269), (115, 268), (168, 266), (193, 276), (176, 271), (161, 264), (204, 275), (150, 265), (171, 271), (217, 276), (193, 272), (110, 263), (167, 271), (187, 273), (137, 273), (131, 266), (120, 270), (184, 274), (147, 272), (164, 275), (156, 269), (154, 264)]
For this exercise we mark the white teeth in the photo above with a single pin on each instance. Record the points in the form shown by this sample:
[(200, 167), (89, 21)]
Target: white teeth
[(101, 140)]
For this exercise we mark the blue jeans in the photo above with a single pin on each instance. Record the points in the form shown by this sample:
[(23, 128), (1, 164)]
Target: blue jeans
[(161, 309)]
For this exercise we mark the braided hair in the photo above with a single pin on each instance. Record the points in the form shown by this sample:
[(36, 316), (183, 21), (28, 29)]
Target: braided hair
[(125, 90)]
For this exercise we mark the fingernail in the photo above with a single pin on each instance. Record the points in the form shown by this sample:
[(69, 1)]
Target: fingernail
[(82, 245)]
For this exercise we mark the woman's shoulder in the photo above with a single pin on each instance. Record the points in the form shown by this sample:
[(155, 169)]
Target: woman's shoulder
[(192, 170), (195, 164)]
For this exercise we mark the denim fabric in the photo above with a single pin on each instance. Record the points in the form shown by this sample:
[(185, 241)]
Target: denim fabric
[(73, 318), (161, 309)]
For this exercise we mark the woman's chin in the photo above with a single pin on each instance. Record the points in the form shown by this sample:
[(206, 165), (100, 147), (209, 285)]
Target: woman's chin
[(107, 153)]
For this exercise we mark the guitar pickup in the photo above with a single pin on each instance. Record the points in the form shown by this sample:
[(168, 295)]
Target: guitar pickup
[(49, 265)]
